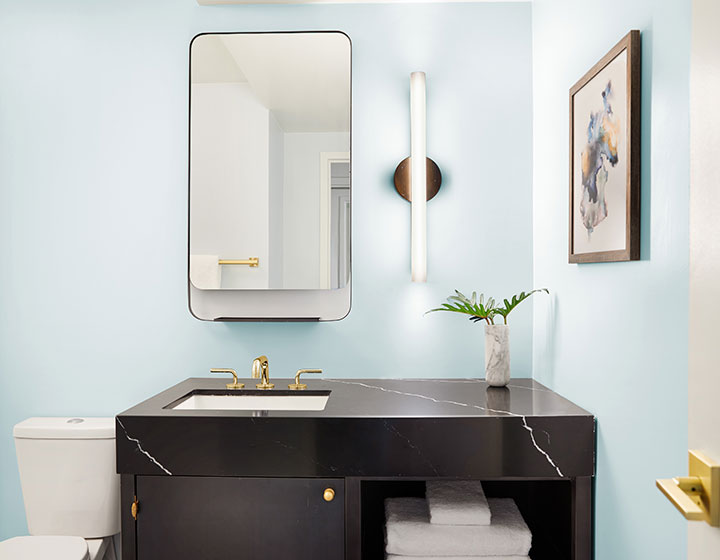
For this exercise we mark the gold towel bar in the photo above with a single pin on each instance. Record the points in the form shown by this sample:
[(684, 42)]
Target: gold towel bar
[(252, 261)]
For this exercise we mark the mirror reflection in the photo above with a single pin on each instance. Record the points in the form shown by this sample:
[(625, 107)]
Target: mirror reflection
[(270, 161)]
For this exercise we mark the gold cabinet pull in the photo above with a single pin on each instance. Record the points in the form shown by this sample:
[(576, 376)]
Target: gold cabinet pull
[(134, 508), (329, 495), (297, 386), (696, 496), (234, 384)]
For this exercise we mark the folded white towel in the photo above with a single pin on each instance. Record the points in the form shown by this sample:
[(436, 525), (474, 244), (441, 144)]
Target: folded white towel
[(396, 557), (408, 531), (205, 272), (457, 502)]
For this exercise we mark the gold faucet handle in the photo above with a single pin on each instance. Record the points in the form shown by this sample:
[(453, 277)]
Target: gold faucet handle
[(234, 384), (297, 386)]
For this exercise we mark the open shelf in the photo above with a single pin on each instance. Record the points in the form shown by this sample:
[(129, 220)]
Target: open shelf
[(545, 505)]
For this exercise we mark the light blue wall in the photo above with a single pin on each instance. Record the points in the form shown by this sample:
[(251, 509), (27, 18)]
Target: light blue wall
[(614, 338), (93, 136)]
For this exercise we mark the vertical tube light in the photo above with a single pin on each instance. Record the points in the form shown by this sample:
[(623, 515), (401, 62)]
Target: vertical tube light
[(418, 177)]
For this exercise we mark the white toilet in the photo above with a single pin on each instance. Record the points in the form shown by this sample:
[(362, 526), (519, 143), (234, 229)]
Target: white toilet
[(70, 488)]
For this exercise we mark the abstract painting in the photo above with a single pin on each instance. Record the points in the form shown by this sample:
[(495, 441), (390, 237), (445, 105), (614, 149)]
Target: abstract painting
[(605, 158)]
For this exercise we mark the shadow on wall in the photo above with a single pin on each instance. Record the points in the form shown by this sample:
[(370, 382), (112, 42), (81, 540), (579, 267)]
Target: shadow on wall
[(646, 145), (546, 339)]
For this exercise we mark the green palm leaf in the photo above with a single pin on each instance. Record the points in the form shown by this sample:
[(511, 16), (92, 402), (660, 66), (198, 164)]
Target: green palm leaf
[(479, 309), (516, 300), (474, 306)]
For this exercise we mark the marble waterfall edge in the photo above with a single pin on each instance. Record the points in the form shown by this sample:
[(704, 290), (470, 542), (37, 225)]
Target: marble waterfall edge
[(497, 355)]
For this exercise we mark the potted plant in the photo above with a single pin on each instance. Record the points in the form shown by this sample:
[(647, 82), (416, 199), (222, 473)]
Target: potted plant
[(497, 336)]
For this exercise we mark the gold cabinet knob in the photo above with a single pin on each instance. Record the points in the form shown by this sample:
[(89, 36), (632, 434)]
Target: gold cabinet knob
[(134, 508), (329, 495)]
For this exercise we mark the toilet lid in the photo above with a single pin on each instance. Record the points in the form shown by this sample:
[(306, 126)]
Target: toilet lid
[(44, 548)]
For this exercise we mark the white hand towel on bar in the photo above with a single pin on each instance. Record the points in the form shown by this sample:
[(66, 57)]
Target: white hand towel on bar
[(457, 502), (396, 557), (408, 531), (205, 272)]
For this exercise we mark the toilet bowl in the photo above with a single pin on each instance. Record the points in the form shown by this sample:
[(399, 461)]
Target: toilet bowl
[(70, 489)]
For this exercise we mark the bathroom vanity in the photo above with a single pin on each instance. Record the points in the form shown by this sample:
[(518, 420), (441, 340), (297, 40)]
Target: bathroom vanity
[(207, 475)]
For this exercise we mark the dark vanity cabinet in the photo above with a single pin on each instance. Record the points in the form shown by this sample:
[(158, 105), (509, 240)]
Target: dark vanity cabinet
[(216, 518), (300, 485)]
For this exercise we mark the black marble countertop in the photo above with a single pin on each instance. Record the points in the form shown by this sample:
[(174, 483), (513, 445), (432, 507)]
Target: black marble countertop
[(382, 398), (369, 427)]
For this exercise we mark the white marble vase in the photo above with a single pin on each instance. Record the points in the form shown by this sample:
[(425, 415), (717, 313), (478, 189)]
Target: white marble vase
[(497, 355)]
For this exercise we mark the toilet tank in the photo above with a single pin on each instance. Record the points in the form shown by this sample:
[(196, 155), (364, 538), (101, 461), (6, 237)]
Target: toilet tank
[(68, 478)]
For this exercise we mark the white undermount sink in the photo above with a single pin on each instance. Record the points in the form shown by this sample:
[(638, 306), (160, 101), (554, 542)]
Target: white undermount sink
[(300, 401)]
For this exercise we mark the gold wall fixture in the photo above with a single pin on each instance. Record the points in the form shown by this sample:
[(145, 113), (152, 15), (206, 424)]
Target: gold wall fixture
[(297, 386), (252, 262), (234, 384), (696, 496)]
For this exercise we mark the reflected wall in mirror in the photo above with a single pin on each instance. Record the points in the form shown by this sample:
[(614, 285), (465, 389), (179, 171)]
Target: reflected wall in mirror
[(270, 161)]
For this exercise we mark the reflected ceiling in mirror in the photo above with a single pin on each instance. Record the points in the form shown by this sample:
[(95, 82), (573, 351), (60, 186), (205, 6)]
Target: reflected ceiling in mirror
[(270, 161)]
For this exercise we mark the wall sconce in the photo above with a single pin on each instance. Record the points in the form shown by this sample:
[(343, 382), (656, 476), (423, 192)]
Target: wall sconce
[(418, 178)]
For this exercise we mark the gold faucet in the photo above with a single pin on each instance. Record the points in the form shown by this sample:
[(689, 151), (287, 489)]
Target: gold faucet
[(260, 370)]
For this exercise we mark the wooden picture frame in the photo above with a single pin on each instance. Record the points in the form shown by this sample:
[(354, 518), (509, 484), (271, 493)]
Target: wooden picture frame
[(605, 158)]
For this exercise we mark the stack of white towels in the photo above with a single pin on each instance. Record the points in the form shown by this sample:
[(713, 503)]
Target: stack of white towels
[(455, 521)]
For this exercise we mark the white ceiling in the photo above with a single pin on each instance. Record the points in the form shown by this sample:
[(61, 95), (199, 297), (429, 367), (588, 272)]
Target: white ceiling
[(303, 78), (209, 2)]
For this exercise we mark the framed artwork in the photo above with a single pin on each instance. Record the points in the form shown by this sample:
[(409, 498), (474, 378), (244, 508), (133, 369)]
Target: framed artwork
[(605, 158)]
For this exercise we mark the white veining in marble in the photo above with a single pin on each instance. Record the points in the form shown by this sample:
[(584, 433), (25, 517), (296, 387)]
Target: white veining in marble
[(472, 381), (393, 430), (299, 451), (140, 448), (424, 380), (540, 389), (497, 355), (466, 405), (547, 435), (532, 437)]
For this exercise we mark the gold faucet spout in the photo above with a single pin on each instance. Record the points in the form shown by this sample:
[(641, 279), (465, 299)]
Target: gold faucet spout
[(261, 370)]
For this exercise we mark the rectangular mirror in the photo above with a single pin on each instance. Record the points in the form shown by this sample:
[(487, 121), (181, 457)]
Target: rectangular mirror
[(269, 216)]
